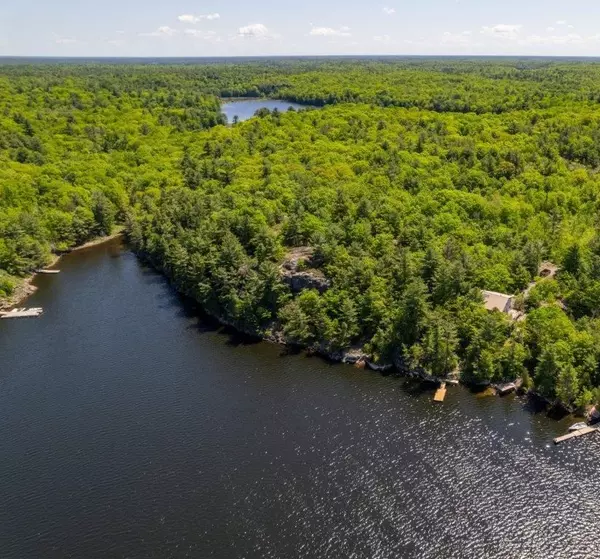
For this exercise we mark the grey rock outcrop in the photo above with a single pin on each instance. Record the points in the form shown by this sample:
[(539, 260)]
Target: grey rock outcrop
[(298, 273)]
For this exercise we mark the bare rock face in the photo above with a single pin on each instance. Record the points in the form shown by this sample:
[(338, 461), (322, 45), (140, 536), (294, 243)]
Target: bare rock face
[(298, 273), (309, 279)]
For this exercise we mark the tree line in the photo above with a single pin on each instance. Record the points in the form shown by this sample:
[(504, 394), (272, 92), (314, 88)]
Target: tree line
[(419, 184)]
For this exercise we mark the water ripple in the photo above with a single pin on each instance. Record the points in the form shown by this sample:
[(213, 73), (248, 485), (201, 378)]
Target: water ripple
[(127, 431)]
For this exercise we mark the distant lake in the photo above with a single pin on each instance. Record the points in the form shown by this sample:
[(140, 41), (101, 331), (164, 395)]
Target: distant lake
[(245, 108)]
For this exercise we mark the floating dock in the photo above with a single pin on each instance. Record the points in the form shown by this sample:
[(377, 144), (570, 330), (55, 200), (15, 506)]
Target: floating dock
[(47, 271), (575, 434), (22, 313), (440, 393)]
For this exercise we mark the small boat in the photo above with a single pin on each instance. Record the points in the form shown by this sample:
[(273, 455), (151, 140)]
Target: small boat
[(505, 389), (577, 426)]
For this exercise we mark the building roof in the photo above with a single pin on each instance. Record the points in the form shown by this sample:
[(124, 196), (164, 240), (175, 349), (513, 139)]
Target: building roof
[(497, 301)]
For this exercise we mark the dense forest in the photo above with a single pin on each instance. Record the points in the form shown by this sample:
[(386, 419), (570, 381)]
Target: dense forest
[(404, 190)]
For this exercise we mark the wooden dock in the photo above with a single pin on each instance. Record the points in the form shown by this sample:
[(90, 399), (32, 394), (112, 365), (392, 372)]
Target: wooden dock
[(22, 313), (575, 434), (440, 393)]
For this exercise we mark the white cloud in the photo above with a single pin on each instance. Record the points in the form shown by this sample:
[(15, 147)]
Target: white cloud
[(389, 11), (116, 42), (502, 31), (254, 31), (190, 18), (382, 38), (162, 31), (330, 31), (550, 29)]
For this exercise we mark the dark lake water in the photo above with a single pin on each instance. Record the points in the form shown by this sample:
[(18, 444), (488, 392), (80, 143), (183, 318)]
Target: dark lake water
[(245, 108), (129, 428)]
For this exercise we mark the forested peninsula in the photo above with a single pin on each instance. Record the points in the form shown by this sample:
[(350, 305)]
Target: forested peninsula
[(378, 219)]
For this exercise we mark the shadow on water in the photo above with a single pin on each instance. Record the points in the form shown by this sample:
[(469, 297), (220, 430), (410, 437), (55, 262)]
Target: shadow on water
[(321, 357), (479, 389), (117, 250), (236, 338), (290, 351), (534, 406), (186, 307), (557, 413), (170, 298), (150, 276), (181, 305), (416, 387), (206, 325)]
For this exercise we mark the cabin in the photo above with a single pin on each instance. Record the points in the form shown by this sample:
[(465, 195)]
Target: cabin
[(497, 301)]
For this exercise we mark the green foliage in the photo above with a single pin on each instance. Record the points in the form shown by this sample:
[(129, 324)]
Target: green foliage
[(417, 184), (544, 292), (304, 318), (76, 144), (7, 285), (440, 345), (555, 374)]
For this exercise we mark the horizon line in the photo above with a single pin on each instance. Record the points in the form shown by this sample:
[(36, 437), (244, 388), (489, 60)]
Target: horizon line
[(355, 55)]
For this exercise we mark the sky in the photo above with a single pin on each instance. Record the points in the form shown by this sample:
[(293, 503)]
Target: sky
[(307, 27)]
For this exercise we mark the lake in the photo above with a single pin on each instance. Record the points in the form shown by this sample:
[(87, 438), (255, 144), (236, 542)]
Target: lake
[(245, 108), (130, 428)]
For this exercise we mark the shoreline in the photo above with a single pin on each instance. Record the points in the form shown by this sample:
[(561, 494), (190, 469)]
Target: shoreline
[(26, 289), (353, 356), (358, 358), (119, 232)]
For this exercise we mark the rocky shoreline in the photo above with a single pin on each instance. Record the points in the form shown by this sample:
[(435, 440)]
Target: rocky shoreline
[(357, 357)]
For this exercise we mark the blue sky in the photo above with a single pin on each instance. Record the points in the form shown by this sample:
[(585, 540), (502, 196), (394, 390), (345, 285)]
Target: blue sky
[(261, 27)]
